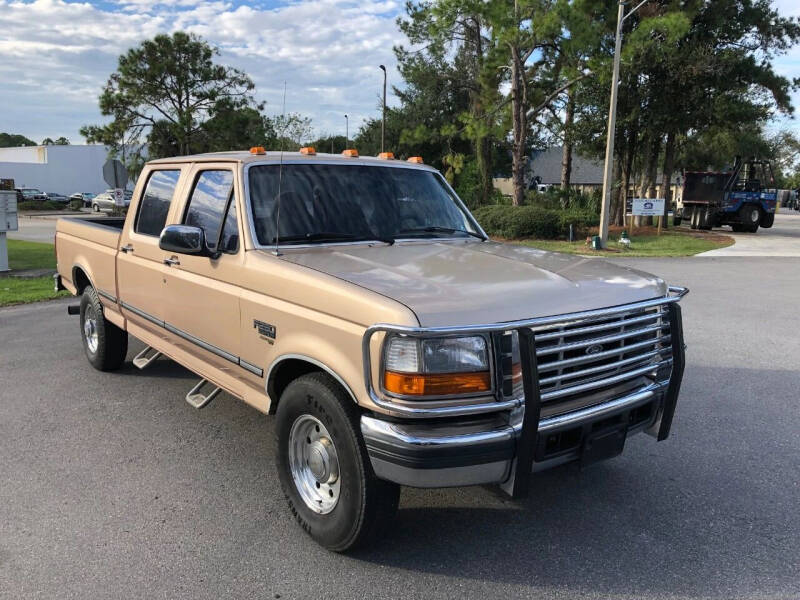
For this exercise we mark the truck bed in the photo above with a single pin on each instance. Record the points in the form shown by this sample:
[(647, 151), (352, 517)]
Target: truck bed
[(89, 244)]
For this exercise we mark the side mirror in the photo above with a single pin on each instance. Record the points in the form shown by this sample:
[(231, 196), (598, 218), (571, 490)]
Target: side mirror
[(183, 239)]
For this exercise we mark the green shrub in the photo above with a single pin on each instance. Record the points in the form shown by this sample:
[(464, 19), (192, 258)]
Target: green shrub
[(40, 205), (516, 222), (75, 204)]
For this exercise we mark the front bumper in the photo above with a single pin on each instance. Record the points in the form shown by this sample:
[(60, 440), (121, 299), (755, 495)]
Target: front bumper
[(505, 447), (422, 455)]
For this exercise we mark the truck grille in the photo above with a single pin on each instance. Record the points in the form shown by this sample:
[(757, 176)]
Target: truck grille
[(588, 362)]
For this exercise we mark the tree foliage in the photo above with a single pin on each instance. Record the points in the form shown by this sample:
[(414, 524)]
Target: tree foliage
[(12, 140), (171, 87)]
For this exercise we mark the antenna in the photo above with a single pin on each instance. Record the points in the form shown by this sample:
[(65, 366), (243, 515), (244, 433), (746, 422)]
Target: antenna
[(277, 251)]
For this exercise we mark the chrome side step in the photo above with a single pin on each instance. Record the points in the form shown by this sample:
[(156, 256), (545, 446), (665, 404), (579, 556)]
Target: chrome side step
[(144, 359), (197, 398)]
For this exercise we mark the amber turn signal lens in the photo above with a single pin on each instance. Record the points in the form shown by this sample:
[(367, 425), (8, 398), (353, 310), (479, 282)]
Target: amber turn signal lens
[(308, 151), (415, 159), (436, 384), (386, 155), (351, 152)]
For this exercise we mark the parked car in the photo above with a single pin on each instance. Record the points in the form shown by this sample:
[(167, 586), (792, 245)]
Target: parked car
[(105, 201), (85, 197), (358, 301), (28, 194), (56, 197)]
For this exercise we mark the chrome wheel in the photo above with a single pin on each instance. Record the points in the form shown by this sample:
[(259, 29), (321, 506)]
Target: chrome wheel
[(314, 464), (90, 329)]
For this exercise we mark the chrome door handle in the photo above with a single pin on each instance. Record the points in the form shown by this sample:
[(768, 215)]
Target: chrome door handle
[(127, 248), (172, 261)]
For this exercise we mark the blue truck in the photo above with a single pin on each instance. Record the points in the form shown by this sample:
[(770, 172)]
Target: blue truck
[(744, 198)]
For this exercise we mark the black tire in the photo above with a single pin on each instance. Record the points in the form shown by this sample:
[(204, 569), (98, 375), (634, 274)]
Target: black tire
[(706, 219), (95, 208), (750, 216), (365, 504), (693, 218), (737, 227), (107, 346), (767, 220)]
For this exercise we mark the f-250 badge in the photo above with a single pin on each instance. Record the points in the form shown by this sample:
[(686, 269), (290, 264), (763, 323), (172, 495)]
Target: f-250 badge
[(265, 330)]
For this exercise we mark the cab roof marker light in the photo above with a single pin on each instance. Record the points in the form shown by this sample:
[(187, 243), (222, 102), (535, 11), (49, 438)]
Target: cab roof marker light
[(257, 150), (386, 155), (308, 151), (350, 152), (416, 160)]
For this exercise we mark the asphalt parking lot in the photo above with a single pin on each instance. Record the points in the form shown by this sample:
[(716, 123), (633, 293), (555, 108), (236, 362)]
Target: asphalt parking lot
[(114, 487)]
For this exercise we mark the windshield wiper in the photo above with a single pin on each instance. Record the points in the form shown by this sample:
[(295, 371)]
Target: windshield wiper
[(438, 229), (330, 236)]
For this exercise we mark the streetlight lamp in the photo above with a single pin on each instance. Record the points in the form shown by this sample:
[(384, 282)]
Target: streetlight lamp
[(612, 123), (346, 132), (383, 118)]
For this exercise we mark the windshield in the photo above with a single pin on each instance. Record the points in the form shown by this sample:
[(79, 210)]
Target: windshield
[(329, 203)]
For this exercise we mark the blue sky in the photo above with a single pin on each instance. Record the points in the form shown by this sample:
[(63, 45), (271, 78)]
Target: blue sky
[(55, 56)]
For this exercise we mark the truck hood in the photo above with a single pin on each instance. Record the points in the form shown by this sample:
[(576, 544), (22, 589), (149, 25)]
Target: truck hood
[(458, 283)]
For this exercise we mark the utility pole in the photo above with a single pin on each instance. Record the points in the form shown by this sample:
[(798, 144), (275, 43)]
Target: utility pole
[(383, 118), (346, 132), (605, 211)]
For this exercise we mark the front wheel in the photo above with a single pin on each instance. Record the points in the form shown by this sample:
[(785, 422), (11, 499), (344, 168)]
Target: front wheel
[(750, 216), (324, 468), (768, 220), (105, 344)]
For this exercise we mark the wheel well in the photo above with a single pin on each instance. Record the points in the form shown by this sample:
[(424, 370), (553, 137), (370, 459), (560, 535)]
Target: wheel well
[(289, 369), (80, 280)]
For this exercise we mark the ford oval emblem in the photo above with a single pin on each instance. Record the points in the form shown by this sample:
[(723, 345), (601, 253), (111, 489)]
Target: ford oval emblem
[(594, 349)]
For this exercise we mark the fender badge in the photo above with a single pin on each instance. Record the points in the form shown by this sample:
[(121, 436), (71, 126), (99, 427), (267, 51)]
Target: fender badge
[(265, 330)]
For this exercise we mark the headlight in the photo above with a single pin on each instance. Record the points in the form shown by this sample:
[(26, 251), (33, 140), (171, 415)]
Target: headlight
[(436, 366)]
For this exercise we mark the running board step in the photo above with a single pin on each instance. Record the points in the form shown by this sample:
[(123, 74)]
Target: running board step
[(144, 359), (197, 398)]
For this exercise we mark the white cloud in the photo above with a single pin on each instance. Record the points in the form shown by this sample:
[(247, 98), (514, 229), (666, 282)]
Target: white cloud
[(56, 55)]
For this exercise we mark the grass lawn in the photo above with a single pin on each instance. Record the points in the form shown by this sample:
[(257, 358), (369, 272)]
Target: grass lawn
[(30, 255), (644, 242), (20, 290)]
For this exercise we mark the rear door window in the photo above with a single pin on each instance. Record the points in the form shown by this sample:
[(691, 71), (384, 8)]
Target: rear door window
[(211, 207), (154, 206)]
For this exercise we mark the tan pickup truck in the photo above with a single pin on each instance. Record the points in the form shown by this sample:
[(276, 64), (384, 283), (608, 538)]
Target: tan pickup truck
[(359, 301)]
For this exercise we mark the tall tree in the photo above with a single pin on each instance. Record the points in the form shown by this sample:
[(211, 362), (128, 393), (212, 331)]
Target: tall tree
[(172, 81)]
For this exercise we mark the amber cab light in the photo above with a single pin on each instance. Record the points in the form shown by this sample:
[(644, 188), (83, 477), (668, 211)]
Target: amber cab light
[(257, 150), (308, 151), (386, 155), (415, 159), (351, 152), (436, 384)]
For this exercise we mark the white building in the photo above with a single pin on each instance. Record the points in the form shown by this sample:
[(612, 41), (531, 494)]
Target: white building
[(61, 169)]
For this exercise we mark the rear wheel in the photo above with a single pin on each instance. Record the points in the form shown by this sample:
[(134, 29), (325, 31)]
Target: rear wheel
[(693, 214), (324, 468), (750, 216), (768, 220), (95, 208), (105, 344)]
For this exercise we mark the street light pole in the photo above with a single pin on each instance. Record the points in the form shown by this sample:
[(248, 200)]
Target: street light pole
[(605, 211), (346, 132), (383, 118)]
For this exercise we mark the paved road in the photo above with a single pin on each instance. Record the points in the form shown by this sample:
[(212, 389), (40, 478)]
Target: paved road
[(38, 228), (111, 486), (782, 239)]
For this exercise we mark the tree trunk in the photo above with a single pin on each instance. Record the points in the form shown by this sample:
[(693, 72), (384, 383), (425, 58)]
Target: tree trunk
[(647, 188), (666, 178), (566, 155), (519, 126)]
